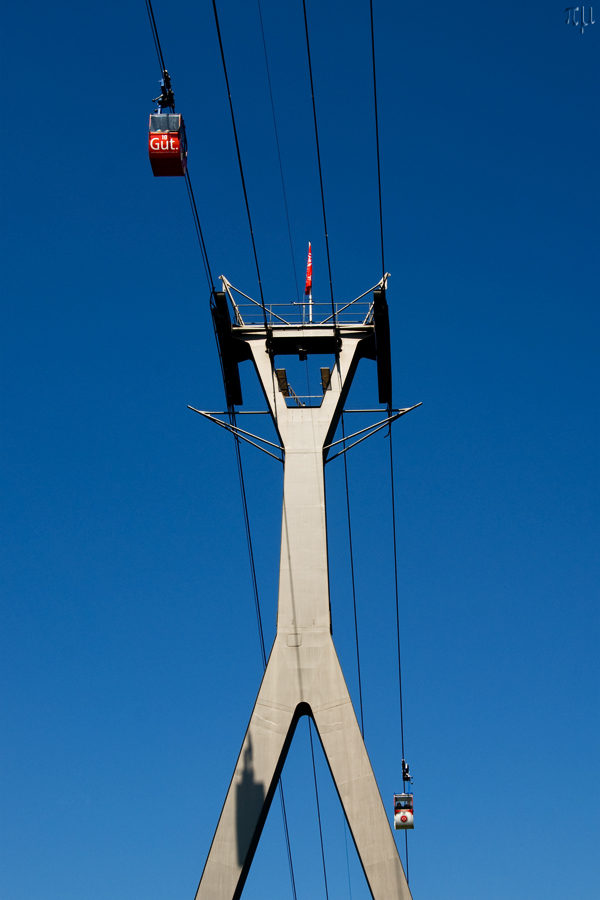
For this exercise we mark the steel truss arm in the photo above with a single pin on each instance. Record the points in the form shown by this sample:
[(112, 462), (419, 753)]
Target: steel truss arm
[(381, 283), (229, 288), (239, 432), (372, 429)]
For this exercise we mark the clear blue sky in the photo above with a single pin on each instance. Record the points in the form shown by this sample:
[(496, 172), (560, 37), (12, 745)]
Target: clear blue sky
[(130, 656)]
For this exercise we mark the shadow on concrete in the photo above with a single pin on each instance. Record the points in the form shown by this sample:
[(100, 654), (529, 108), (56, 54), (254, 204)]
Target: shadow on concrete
[(249, 802)]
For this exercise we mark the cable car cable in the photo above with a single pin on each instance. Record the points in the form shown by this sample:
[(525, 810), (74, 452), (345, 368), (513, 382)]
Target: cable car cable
[(249, 541), (239, 156), (312, 94), (190, 190), (260, 631), (231, 410), (375, 104), (261, 637), (199, 234), (397, 621), (287, 839), (362, 720), (397, 595), (287, 215), (377, 136), (155, 36), (260, 627), (308, 387), (240, 468), (347, 857), (312, 751), (241, 168), (168, 100)]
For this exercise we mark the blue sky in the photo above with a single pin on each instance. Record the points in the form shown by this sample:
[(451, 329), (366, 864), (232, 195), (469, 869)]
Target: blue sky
[(130, 656)]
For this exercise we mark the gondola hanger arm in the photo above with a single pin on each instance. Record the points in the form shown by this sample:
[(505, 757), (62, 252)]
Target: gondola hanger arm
[(372, 429), (240, 433)]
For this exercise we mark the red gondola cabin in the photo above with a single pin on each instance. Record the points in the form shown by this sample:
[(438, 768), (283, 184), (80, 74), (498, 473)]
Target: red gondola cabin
[(167, 144)]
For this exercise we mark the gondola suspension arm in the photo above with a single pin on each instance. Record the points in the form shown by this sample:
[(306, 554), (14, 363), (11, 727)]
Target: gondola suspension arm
[(372, 429), (239, 432)]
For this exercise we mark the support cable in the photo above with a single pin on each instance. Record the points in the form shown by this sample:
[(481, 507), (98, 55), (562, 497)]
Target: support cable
[(240, 469), (397, 620), (347, 857), (389, 407), (260, 627), (308, 387), (230, 408), (287, 840), (377, 137), (199, 234), (188, 182), (261, 637), (259, 623), (287, 216), (362, 720), (239, 156), (312, 94), (244, 502), (155, 36), (312, 752)]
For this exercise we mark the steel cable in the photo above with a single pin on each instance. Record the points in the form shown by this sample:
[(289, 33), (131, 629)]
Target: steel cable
[(377, 137), (312, 753), (240, 469), (231, 410), (199, 234), (155, 36), (347, 857), (312, 94), (239, 157), (287, 216), (188, 181), (260, 627), (397, 618), (362, 721), (244, 501), (375, 104)]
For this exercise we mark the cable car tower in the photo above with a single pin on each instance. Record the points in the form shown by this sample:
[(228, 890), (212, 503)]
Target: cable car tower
[(303, 674)]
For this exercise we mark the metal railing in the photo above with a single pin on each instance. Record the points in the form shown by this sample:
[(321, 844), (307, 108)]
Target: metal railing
[(304, 314), (311, 314)]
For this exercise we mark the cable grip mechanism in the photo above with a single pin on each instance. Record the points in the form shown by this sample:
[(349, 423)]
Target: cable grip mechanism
[(166, 98)]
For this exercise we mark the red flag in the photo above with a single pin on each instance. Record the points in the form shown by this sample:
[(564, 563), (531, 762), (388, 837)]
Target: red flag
[(308, 288)]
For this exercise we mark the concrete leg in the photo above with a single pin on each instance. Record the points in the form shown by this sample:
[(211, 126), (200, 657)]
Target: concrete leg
[(251, 791), (300, 680), (353, 776)]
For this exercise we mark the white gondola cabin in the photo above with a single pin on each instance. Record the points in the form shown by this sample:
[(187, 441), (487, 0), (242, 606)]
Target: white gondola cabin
[(403, 811)]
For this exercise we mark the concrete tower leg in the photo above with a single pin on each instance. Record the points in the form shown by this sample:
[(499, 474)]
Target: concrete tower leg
[(251, 791), (357, 788), (303, 679)]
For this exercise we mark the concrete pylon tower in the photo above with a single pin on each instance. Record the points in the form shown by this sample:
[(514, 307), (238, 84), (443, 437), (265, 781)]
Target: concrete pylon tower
[(303, 674)]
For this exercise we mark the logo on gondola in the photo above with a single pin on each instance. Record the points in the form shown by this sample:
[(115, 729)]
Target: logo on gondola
[(404, 818), (164, 142)]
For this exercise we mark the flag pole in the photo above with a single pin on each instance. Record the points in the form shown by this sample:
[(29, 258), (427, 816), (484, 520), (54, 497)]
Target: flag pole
[(308, 285)]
